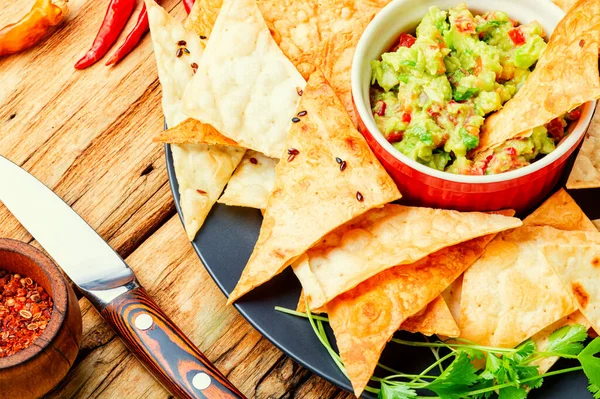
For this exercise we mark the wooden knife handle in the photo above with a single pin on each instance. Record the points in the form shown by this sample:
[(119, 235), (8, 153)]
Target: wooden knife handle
[(164, 349)]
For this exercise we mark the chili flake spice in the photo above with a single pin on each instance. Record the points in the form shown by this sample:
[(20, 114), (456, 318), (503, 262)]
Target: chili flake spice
[(25, 311)]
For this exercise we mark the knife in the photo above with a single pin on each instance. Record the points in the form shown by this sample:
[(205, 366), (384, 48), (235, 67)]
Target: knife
[(111, 286)]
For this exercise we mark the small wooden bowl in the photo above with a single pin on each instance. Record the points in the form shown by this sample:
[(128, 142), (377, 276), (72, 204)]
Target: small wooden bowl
[(35, 370)]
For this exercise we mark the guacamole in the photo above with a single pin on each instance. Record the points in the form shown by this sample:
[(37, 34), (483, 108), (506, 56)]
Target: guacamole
[(430, 94)]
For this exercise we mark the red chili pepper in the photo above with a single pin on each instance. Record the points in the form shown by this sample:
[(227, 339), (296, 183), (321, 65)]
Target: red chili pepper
[(188, 4), (133, 38), (115, 19), (516, 36), (406, 117), (395, 137)]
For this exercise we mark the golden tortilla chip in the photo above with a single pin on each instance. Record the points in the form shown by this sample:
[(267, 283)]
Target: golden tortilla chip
[(575, 258), (383, 238), (192, 131), (314, 194), (541, 339), (434, 319), (252, 182), (565, 77), (561, 212), (564, 4), (586, 170), (334, 58), (365, 318), (452, 296), (202, 18), (202, 170), (245, 86), (596, 223)]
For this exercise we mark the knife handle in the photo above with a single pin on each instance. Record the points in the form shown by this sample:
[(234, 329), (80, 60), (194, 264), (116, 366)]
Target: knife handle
[(164, 349)]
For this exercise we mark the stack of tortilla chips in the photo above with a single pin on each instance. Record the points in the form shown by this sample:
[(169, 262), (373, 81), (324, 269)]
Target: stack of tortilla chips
[(256, 94)]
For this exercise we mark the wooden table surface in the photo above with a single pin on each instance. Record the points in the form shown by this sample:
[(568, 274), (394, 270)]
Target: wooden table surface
[(87, 135)]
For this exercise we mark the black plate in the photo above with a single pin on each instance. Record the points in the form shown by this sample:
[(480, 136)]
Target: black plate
[(224, 245)]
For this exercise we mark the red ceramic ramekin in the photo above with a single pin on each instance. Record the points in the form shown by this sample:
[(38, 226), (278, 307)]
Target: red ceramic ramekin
[(519, 189)]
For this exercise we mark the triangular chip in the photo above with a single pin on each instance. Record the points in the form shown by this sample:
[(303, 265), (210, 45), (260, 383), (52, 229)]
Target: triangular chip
[(314, 193), (575, 258), (333, 57), (452, 296), (596, 223), (202, 18), (564, 4), (245, 87), (192, 131), (565, 77), (434, 319), (383, 238), (561, 212), (202, 170), (586, 170), (252, 182), (365, 318), (541, 339)]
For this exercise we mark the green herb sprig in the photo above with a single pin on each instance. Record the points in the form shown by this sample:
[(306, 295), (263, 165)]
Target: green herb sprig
[(509, 373)]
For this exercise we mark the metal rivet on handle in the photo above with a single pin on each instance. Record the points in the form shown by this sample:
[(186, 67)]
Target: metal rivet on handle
[(201, 381), (143, 321)]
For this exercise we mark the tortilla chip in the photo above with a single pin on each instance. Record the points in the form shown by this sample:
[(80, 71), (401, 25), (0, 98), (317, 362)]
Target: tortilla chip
[(192, 131), (252, 182), (312, 196), (300, 26), (202, 170), (564, 4), (576, 261), (596, 223), (565, 77), (434, 319), (334, 58), (365, 318), (561, 212), (586, 170), (383, 238), (245, 87), (202, 18), (452, 296), (541, 339)]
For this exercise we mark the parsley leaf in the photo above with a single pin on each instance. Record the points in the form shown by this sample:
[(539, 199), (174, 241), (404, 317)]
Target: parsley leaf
[(567, 340), (590, 363), (456, 380), (512, 393), (396, 392)]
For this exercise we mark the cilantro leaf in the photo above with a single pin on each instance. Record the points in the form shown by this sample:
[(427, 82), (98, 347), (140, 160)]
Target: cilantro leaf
[(468, 139), (527, 372), (492, 365), (512, 393), (590, 363), (483, 384), (463, 93), (524, 350), (567, 340), (396, 392), (456, 380), (595, 390)]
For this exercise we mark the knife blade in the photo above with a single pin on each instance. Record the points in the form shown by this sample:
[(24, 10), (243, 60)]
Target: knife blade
[(111, 286)]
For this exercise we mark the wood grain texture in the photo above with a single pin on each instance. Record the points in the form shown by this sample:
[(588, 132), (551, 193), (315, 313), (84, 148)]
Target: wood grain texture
[(87, 134)]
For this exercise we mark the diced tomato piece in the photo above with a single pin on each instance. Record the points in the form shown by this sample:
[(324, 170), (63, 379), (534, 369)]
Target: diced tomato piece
[(395, 137), (516, 36), (465, 25), (510, 151), (574, 115), (405, 40), (380, 107), (433, 113), (556, 129), (406, 117)]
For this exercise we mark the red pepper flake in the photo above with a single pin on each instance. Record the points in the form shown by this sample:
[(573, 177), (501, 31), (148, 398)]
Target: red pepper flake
[(302, 113), (253, 161), (201, 192), (292, 152), (22, 319), (406, 117), (510, 151), (581, 43), (359, 196), (194, 67), (181, 43), (202, 37), (342, 166), (179, 52), (186, 51), (338, 160), (516, 36), (295, 119), (299, 91)]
